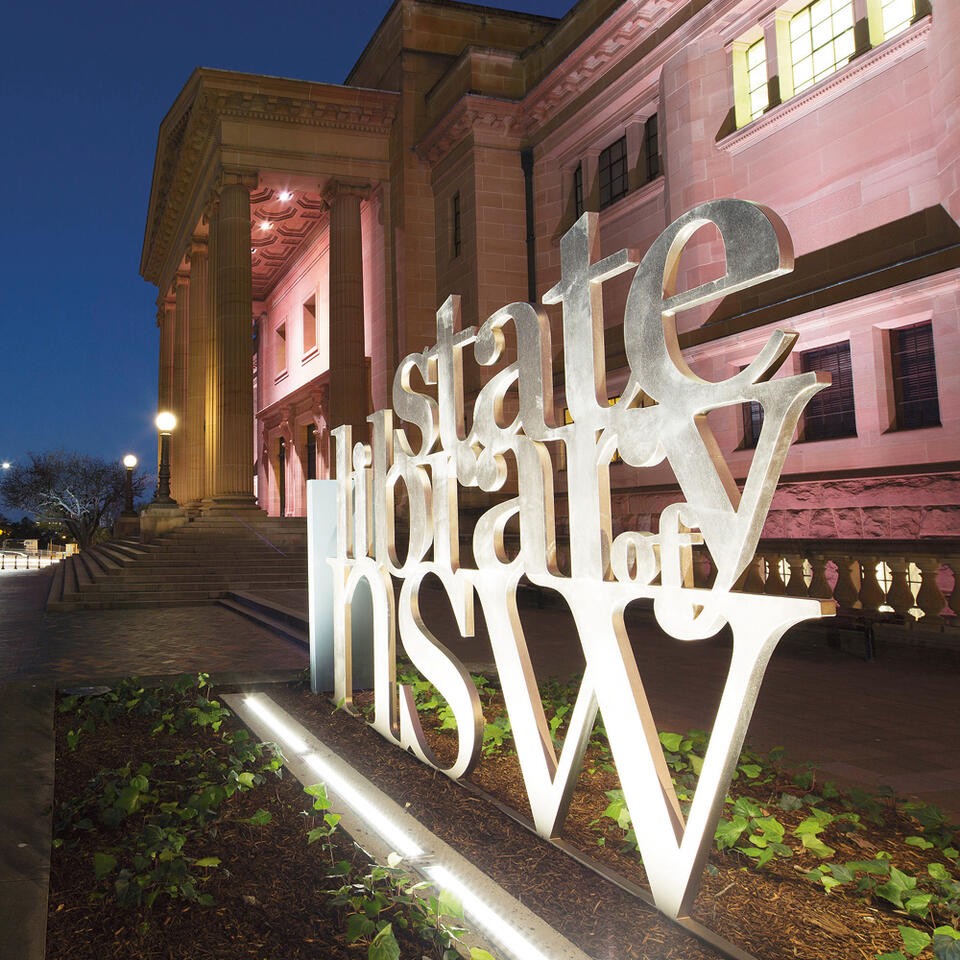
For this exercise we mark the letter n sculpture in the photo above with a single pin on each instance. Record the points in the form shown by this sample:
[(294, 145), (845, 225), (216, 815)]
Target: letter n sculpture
[(510, 444)]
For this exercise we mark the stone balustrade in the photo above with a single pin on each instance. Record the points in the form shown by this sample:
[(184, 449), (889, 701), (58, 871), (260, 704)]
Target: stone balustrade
[(910, 580)]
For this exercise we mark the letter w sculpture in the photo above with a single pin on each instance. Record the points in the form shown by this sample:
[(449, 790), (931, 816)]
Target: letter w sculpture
[(606, 573)]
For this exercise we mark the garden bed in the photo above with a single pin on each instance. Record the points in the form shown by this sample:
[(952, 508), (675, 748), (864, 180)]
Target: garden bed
[(805, 870)]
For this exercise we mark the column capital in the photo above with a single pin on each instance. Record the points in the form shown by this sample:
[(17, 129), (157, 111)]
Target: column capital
[(183, 273), (345, 187), (230, 176), (198, 246), (320, 394)]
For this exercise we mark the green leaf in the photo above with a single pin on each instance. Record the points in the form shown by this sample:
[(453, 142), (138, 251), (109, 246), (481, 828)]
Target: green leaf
[(919, 905), (477, 954), (771, 828), (817, 846), (789, 802), (896, 955), (728, 831), (207, 862), (878, 867), (946, 931), (384, 946), (809, 827), (449, 905), (894, 889), (946, 947), (319, 792), (317, 833), (750, 770), (246, 779), (745, 807), (103, 863), (841, 872), (260, 818), (358, 926), (914, 941), (394, 859), (671, 741), (919, 842)]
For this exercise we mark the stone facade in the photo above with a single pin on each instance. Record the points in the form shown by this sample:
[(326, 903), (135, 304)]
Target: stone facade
[(364, 206)]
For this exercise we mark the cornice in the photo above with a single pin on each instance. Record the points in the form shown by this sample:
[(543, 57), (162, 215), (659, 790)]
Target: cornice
[(574, 75), (191, 127), (472, 114)]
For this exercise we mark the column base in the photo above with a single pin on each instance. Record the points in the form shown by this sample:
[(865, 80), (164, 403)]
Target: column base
[(158, 519), (228, 504), (126, 528)]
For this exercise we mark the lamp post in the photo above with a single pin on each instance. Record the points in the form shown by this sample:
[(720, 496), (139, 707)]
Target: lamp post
[(129, 461), (165, 422)]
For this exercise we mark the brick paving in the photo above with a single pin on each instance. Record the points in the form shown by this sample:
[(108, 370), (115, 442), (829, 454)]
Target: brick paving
[(94, 644)]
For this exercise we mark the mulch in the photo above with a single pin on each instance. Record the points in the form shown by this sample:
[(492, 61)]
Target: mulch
[(269, 900)]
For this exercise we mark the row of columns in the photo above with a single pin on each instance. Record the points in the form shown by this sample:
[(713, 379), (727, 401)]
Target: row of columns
[(206, 345)]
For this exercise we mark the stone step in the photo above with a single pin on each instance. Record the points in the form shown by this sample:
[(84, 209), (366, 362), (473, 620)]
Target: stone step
[(211, 583), (284, 622)]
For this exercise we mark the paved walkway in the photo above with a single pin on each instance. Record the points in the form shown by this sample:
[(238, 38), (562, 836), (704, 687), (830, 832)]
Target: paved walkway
[(891, 722)]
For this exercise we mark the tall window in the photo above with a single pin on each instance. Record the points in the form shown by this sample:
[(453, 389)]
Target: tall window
[(757, 78), (310, 325), (915, 377), (312, 451), (651, 147), (612, 172), (578, 190), (830, 413), (280, 350), (896, 16), (821, 41), (456, 238)]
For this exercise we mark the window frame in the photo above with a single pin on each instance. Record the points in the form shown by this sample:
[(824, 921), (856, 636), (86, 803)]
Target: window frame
[(619, 180), (898, 351), (829, 404), (456, 226)]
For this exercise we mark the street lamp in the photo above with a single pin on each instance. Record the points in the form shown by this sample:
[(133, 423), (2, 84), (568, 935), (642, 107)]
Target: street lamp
[(129, 461), (6, 464), (165, 422)]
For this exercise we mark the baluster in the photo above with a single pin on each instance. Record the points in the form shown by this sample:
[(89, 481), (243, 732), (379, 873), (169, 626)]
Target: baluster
[(929, 597), (796, 585), (819, 585), (848, 583), (753, 583), (871, 593), (774, 586), (953, 565), (899, 596)]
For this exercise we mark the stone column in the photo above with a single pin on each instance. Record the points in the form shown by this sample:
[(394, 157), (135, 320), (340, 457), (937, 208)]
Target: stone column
[(192, 433), (178, 391), (348, 390), (211, 215), (230, 430), (165, 321)]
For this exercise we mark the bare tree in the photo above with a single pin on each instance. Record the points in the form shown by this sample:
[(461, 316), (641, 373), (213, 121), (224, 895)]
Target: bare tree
[(83, 494)]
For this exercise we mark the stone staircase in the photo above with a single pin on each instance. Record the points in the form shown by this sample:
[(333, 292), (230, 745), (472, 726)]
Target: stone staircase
[(209, 560)]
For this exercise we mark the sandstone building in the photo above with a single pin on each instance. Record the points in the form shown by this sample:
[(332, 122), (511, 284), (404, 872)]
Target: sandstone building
[(302, 236)]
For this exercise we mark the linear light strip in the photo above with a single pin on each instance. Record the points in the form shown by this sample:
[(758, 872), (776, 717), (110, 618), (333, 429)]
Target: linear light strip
[(367, 810), (486, 915)]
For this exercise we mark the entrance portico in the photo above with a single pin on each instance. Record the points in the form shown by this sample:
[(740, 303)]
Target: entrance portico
[(253, 191)]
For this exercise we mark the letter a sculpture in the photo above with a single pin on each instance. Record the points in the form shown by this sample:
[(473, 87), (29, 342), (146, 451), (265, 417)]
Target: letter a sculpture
[(605, 573)]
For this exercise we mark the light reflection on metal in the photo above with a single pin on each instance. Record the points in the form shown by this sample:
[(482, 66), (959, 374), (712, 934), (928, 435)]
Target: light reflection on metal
[(606, 573)]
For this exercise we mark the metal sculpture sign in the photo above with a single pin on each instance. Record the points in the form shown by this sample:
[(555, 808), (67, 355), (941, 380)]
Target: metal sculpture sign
[(513, 429)]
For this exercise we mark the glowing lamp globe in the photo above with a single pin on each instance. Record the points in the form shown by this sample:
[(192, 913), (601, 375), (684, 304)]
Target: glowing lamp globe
[(129, 461), (165, 422)]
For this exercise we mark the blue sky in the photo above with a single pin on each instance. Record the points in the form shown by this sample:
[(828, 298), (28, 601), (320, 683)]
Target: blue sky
[(83, 88)]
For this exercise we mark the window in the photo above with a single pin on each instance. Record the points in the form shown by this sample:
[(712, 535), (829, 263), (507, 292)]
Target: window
[(757, 78), (282, 476), (310, 325), (651, 147), (312, 451), (456, 238), (752, 424), (830, 413), (821, 41), (578, 190), (612, 172), (896, 16), (914, 377), (280, 350)]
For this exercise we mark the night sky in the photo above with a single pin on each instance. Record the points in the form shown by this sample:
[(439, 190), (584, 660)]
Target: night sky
[(83, 89)]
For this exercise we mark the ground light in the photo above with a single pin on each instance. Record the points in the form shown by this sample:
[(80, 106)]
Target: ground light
[(485, 915)]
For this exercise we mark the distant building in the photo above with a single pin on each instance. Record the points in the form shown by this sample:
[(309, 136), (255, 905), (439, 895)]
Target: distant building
[(467, 140)]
